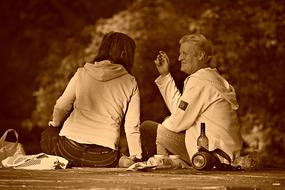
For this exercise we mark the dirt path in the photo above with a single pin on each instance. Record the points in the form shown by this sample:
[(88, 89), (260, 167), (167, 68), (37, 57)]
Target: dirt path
[(118, 178)]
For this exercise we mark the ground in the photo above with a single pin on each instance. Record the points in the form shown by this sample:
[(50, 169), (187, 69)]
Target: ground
[(119, 178)]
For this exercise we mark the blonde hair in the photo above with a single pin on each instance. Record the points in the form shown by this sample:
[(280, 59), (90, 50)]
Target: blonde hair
[(201, 42)]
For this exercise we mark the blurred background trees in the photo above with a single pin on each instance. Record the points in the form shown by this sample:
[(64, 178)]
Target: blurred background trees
[(44, 42)]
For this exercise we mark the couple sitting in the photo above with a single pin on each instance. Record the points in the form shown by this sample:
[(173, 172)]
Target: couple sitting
[(85, 128)]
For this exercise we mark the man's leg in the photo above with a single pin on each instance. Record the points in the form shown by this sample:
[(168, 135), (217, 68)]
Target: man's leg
[(172, 142), (49, 139), (148, 138)]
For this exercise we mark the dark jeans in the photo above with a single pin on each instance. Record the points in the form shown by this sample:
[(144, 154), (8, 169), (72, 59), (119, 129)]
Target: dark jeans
[(148, 138), (78, 155)]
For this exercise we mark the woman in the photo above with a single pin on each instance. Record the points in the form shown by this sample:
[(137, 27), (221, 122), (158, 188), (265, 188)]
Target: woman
[(95, 102)]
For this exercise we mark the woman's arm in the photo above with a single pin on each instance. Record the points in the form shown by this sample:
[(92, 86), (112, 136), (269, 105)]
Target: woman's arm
[(64, 104), (132, 124)]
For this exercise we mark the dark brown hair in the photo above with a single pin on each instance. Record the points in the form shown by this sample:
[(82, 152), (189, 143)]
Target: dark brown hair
[(118, 48)]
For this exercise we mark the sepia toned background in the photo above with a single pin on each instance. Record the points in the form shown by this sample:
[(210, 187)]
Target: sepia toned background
[(43, 42)]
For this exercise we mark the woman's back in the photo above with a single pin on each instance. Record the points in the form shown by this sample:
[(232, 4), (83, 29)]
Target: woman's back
[(103, 91)]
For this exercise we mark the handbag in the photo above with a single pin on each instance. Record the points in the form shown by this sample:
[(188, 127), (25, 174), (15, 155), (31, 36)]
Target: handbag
[(10, 148)]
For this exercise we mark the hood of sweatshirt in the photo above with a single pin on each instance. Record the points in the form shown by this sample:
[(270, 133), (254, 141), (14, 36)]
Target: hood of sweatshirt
[(104, 70), (211, 76)]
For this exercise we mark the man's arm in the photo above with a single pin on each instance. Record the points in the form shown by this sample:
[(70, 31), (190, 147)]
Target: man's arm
[(169, 91), (192, 103), (165, 82)]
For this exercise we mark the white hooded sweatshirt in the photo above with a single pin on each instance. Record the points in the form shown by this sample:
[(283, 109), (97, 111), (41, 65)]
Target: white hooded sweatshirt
[(98, 97), (207, 97)]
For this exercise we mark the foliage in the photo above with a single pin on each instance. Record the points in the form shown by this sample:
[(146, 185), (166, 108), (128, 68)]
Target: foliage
[(249, 47), (35, 35)]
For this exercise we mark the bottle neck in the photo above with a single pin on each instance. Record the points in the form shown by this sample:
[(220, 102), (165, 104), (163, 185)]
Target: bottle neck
[(203, 129)]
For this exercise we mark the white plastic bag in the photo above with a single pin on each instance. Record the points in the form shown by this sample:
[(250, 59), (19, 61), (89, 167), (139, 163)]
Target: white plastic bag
[(10, 148), (40, 161)]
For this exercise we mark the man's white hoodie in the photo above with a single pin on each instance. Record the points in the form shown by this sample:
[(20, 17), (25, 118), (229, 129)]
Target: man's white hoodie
[(207, 97), (95, 102)]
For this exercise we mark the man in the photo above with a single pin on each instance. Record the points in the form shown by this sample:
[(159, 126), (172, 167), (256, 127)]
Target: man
[(206, 98)]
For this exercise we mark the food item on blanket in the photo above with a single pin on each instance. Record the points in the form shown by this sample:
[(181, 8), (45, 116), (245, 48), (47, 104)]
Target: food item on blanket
[(125, 162), (161, 161), (176, 162)]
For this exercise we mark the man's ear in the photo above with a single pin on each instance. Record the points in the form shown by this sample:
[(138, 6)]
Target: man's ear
[(202, 55)]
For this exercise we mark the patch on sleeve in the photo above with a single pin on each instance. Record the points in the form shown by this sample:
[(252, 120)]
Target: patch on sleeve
[(183, 105)]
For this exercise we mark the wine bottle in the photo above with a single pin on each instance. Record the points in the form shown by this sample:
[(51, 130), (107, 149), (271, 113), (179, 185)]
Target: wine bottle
[(203, 140)]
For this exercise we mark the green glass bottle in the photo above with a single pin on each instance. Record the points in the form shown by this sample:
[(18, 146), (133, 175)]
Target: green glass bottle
[(203, 140)]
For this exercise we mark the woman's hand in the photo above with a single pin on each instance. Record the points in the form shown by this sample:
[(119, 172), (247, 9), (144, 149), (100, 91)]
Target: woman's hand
[(127, 161), (162, 63)]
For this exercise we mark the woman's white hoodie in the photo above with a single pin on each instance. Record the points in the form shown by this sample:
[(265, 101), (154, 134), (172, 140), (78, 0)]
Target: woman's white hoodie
[(94, 104)]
